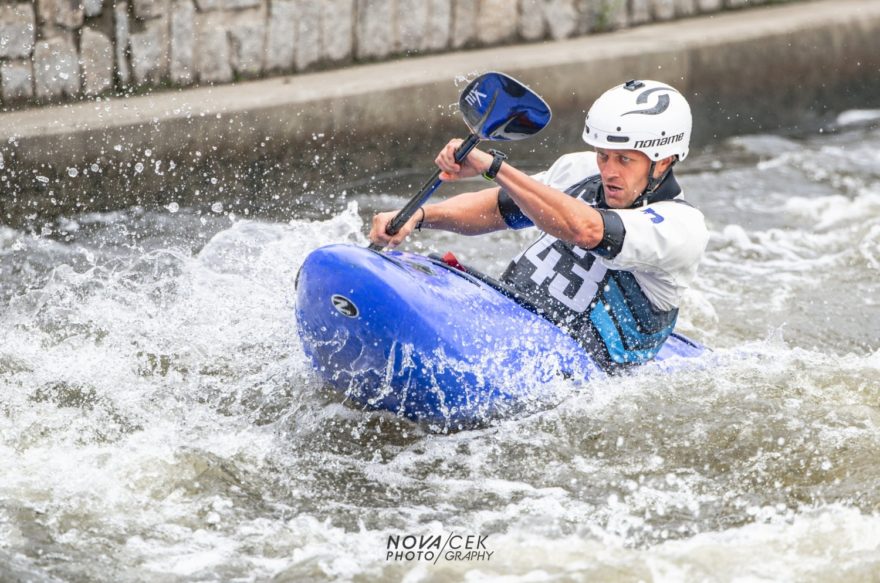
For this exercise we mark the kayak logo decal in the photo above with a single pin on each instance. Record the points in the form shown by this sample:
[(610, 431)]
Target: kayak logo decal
[(662, 102), (344, 306)]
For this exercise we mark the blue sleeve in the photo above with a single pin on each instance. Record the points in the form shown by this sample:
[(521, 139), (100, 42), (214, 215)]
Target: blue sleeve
[(511, 213)]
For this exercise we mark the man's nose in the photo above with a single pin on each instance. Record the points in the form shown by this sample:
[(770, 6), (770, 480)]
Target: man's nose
[(610, 169)]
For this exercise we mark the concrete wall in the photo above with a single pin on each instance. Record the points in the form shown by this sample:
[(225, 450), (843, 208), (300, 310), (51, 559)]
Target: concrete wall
[(268, 145), (55, 50)]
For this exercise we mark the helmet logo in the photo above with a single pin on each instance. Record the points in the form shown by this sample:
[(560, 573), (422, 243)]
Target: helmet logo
[(658, 142), (344, 306), (662, 102)]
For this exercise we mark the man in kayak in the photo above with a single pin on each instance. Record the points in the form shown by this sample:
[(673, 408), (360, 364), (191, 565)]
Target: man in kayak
[(619, 244)]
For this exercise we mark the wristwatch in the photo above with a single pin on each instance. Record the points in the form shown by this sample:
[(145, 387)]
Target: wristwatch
[(497, 158)]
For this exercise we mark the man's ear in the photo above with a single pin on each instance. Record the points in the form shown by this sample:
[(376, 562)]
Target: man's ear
[(663, 165)]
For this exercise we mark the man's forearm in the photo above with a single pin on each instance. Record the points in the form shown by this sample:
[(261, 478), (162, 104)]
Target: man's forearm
[(471, 213)]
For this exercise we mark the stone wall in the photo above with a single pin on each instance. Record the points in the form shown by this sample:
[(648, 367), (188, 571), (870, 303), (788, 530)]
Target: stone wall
[(56, 50), (315, 139)]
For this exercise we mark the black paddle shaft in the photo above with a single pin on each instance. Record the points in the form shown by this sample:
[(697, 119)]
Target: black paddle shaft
[(422, 196)]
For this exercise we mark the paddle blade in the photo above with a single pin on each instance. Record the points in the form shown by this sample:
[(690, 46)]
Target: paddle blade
[(497, 107)]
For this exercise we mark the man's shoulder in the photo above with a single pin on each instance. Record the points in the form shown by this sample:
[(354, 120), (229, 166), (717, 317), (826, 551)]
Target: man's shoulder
[(677, 206), (570, 169), (577, 158), (583, 163), (666, 216)]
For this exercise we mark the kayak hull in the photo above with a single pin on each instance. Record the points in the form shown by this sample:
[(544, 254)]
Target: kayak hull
[(406, 333)]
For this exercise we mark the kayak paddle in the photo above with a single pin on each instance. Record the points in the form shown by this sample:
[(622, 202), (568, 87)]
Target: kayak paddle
[(495, 107)]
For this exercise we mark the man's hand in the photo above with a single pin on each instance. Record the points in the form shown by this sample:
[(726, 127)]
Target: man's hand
[(380, 223), (475, 164)]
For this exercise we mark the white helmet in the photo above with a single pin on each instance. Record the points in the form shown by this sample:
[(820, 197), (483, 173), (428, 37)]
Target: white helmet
[(647, 116)]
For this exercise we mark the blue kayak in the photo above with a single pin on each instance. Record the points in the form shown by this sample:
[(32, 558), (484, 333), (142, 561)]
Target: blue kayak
[(411, 335)]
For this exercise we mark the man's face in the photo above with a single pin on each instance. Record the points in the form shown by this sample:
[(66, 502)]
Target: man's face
[(624, 175)]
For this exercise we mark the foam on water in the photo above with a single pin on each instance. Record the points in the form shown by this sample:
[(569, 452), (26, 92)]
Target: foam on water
[(801, 244), (858, 116), (159, 420), (834, 543), (125, 381)]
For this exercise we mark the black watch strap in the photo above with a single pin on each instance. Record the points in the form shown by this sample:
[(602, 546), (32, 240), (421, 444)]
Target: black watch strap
[(497, 158)]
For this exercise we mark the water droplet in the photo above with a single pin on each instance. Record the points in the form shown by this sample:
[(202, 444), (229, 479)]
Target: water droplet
[(72, 172), (173, 207), (217, 207), (43, 179), (138, 168)]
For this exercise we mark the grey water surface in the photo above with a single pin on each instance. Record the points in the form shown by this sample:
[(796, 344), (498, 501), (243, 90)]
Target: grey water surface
[(160, 422)]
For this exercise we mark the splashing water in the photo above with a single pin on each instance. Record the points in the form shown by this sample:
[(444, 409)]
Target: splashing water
[(160, 421)]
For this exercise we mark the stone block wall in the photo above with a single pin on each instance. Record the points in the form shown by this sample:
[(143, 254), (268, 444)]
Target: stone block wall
[(55, 50)]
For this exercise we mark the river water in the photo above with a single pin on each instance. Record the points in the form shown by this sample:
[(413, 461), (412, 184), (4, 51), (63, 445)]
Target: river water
[(159, 422)]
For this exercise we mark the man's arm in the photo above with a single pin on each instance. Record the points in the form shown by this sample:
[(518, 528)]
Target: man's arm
[(471, 213), (551, 210)]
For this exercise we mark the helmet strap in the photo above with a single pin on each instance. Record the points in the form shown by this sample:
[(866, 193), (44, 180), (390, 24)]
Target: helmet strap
[(654, 183)]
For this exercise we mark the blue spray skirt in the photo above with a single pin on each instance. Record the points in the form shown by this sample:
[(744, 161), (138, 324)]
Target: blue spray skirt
[(408, 334)]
